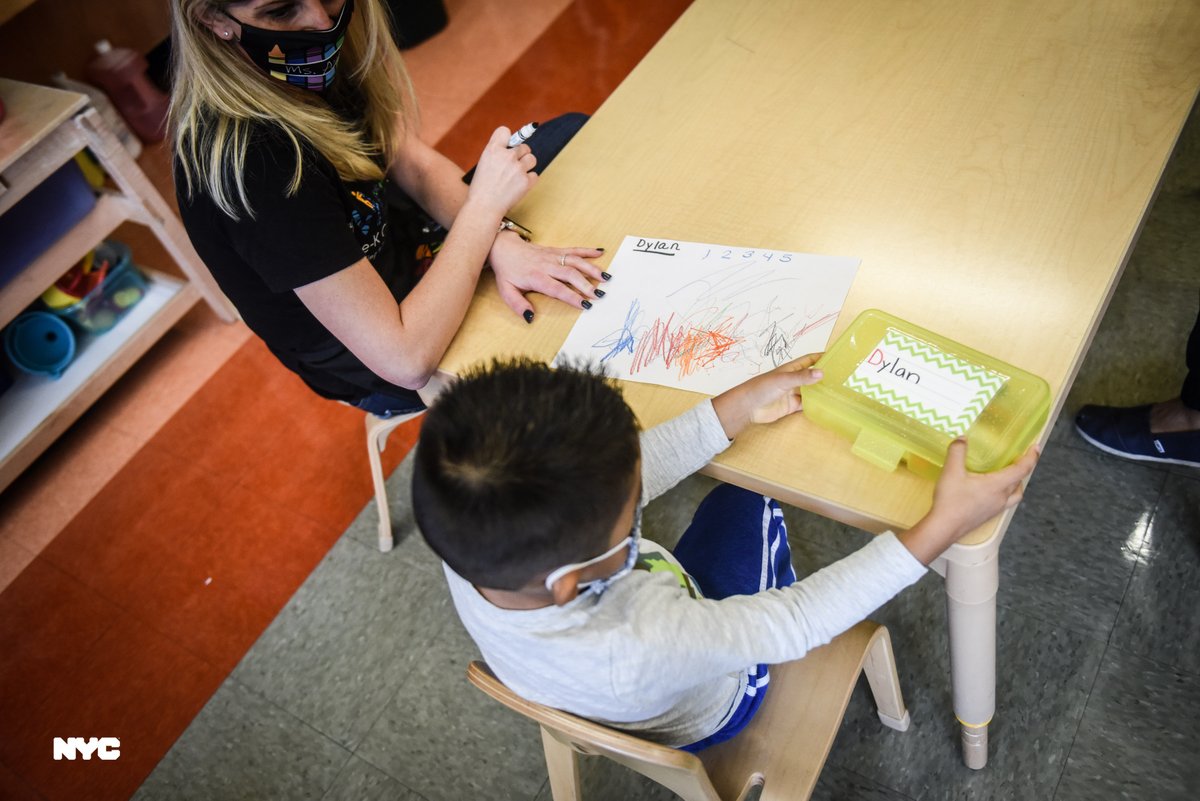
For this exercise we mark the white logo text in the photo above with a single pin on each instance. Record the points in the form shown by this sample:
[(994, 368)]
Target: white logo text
[(71, 747)]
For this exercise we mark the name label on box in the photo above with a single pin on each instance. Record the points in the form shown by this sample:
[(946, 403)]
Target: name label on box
[(925, 383)]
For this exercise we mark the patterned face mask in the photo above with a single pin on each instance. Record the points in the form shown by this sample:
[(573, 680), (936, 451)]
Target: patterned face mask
[(302, 58)]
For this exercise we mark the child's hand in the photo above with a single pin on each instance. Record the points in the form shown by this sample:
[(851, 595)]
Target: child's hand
[(767, 397), (963, 501)]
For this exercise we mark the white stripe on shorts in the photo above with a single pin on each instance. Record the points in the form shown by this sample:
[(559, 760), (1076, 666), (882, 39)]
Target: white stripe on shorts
[(767, 553)]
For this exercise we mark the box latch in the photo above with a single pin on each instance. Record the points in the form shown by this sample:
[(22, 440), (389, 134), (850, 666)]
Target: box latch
[(878, 449)]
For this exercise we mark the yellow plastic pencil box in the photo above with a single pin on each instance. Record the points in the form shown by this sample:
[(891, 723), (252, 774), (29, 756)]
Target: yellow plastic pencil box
[(902, 393)]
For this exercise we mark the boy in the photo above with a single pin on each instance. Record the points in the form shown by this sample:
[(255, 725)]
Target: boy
[(529, 484)]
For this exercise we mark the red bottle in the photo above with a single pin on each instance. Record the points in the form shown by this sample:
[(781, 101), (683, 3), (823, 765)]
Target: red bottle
[(121, 73)]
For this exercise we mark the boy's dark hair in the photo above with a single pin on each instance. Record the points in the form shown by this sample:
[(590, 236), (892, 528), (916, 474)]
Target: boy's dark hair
[(521, 468)]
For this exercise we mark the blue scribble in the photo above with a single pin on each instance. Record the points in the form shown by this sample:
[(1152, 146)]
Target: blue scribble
[(622, 340)]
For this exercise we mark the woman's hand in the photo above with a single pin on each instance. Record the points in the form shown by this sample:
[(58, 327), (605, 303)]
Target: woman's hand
[(564, 274), (767, 397), (502, 176)]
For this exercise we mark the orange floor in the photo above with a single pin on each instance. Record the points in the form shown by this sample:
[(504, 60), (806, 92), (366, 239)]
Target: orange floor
[(147, 550)]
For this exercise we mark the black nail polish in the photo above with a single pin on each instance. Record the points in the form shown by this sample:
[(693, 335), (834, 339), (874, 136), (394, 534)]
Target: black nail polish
[(528, 315), (600, 249), (587, 304), (599, 293), (606, 276)]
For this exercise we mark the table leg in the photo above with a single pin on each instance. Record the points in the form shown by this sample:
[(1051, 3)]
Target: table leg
[(972, 578)]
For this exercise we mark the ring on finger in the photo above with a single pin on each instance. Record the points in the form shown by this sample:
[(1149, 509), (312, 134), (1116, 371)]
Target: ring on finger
[(562, 260)]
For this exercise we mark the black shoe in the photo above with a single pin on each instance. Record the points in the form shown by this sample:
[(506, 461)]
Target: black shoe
[(1126, 432)]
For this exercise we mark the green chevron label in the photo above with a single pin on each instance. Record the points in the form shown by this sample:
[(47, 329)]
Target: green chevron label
[(923, 382)]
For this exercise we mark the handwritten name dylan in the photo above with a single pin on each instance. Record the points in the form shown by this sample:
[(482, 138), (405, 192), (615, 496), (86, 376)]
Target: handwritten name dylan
[(658, 247), (881, 363)]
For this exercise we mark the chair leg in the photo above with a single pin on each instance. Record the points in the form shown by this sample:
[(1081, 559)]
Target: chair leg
[(562, 763), (376, 441), (880, 667)]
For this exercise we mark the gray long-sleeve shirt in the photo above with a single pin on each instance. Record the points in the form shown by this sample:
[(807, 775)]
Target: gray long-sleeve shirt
[(646, 656)]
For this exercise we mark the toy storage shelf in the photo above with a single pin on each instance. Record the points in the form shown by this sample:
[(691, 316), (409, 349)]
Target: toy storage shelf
[(39, 408), (43, 129)]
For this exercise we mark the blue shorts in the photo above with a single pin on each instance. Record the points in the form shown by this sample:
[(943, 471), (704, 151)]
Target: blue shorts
[(737, 545)]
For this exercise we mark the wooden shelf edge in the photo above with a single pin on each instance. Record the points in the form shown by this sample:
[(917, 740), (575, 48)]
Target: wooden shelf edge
[(33, 112), (39, 163)]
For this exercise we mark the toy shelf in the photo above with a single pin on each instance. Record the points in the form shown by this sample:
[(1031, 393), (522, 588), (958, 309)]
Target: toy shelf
[(43, 129), (37, 409)]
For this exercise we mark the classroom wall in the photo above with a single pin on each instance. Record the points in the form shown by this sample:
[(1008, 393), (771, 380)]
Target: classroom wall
[(52, 35)]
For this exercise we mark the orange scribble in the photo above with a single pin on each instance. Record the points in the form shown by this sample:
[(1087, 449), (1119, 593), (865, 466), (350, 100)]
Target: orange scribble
[(820, 321), (700, 349), (685, 346)]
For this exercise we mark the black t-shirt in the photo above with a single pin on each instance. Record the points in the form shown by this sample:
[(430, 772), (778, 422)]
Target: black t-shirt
[(325, 226)]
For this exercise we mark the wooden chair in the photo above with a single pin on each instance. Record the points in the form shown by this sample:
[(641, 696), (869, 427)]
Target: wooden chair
[(378, 429), (782, 750)]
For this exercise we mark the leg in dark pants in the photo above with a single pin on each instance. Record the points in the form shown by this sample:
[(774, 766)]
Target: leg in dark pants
[(548, 140), (1190, 394)]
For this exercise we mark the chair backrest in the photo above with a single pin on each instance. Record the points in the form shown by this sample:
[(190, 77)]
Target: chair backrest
[(786, 743), (782, 750), (679, 771)]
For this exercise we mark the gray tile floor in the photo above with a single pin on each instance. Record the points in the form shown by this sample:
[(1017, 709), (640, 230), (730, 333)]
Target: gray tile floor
[(357, 690)]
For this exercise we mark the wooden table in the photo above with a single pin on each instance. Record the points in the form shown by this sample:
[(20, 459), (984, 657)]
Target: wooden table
[(990, 164)]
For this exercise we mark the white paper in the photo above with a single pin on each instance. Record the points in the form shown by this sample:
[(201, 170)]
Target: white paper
[(925, 383), (705, 317)]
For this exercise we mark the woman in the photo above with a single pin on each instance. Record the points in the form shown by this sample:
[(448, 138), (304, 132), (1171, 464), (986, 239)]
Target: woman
[(290, 118)]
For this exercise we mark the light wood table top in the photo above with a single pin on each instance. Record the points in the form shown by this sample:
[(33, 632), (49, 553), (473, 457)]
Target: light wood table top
[(990, 165)]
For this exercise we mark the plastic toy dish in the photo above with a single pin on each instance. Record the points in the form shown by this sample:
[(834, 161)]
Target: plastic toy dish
[(40, 344)]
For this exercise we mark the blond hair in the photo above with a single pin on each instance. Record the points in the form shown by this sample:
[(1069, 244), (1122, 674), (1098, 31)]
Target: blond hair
[(218, 97)]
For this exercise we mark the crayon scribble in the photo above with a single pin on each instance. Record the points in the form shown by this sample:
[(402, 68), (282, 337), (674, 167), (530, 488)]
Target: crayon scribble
[(777, 345), (703, 337), (731, 283), (686, 346), (750, 317), (622, 340), (817, 323)]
